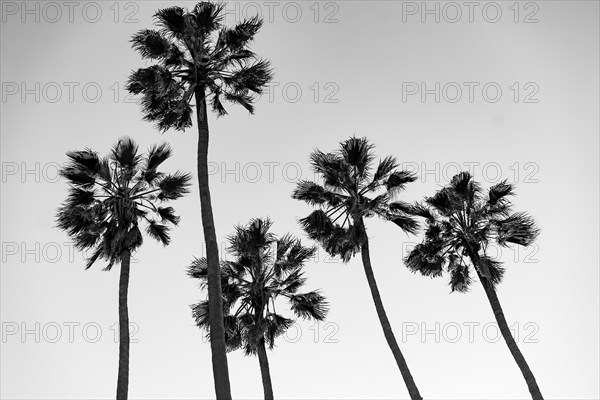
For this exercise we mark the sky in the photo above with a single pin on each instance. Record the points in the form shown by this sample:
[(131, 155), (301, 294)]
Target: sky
[(506, 90)]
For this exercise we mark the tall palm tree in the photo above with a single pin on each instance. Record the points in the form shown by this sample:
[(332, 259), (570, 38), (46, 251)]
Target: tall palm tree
[(197, 58), (349, 180), (108, 199), (461, 222), (266, 268)]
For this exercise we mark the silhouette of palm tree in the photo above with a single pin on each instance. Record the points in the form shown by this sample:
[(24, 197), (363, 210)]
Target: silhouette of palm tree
[(265, 269), (197, 57), (108, 199), (461, 222), (344, 197)]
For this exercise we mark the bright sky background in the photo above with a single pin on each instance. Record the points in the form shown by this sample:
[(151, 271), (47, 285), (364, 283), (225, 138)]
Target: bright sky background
[(364, 62)]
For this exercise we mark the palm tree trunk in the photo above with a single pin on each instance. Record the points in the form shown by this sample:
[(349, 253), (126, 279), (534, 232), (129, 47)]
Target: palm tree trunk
[(508, 338), (264, 370), (383, 319), (123, 377), (215, 298)]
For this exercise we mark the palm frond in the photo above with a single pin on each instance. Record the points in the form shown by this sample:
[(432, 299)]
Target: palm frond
[(490, 269), (385, 167), (167, 214), (317, 225), (151, 44), (172, 20), (98, 253), (237, 37), (311, 305), (80, 197), (357, 152), (444, 201), (277, 325), (344, 243), (405, 222), (315, 194), (198, 269), (499, 191), (157, 155), (207, 17), (292, 282), (200, 314), (460, 280), (240, 98), (85, 160), (216, 104), (421, 210), (460, 183), (124, 153), (134, 238), (424, 259), (78, 177), (159, 232), (174, 186), (398, 180), (332, 168), (251, 77), (519, 228)]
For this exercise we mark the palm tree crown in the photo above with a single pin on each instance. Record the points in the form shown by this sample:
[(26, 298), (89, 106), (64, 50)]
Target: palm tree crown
[(265, 269), (349, 178), (194, 50), (109, 196), (461, 221)]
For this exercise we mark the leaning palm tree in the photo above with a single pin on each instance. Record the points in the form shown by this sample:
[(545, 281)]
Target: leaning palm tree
[(197, 58), (108, 199), (349, 180), (266, 268), (461, 222)]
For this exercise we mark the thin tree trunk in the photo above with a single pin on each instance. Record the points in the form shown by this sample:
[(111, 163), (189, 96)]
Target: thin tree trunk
[(215, 299), (508, 338), (123, 377), (383, 319), (264, 370)]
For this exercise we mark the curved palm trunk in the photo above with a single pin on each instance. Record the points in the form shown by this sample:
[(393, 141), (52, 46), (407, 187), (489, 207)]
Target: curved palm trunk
[(385, 323), (215, 298), (510, 341), (264, 370), (123, 377)]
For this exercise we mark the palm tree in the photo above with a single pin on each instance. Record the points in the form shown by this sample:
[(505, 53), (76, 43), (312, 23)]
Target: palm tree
[(266, 268), (108, 198), (461, 222), (196, 57), (348, 182)]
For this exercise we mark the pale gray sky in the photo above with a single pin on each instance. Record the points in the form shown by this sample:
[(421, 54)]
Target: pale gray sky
[(517, 99)]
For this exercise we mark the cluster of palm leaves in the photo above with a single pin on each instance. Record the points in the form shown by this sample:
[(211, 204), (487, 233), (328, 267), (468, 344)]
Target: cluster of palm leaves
[(197, 61), (265, 269), (109, 198), (460, 223)]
